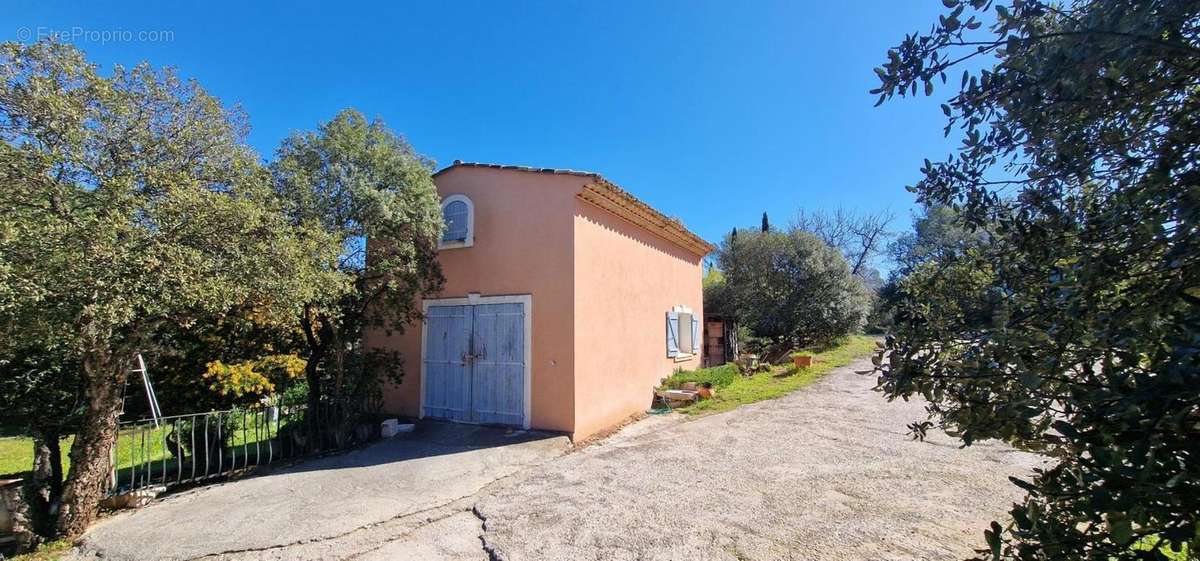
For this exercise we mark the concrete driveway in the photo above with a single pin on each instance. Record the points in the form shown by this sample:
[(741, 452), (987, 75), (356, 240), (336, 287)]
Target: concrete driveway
[(354, 501), (827, 473)]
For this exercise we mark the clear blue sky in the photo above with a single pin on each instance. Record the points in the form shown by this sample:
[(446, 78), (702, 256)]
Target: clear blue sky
[(711, 112)]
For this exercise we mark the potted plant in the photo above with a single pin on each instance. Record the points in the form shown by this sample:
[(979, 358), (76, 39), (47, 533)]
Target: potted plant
[(803, 360)]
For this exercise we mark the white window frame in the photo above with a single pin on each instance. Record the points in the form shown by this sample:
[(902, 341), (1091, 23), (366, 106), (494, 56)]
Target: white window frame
[(470, 241), (683, 356)]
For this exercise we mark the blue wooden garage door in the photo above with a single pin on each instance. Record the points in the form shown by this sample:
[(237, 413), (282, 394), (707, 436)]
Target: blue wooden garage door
[(475, 363), (447, 373)]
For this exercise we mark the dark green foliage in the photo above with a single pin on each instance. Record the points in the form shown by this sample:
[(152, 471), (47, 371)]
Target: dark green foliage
[(296, 394), (716, 293), (1075, 328), (937, 234), (356, 180), (181, 356), (130, 202), (40, 390), (719, 376), (791, 288)]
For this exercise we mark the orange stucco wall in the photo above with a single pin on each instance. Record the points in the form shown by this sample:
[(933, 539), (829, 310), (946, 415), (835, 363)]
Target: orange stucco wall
[(601, 288), (626, 280), (522, 246)]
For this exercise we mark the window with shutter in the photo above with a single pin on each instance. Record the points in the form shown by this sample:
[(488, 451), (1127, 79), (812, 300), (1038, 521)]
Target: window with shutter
[(672, 334), (683, 333)]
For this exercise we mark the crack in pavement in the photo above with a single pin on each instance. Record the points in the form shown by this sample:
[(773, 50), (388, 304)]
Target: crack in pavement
[(397, 537), (347, 533), (464, 503), (838, 488), (472, 499), (488, 548), (319, 513)]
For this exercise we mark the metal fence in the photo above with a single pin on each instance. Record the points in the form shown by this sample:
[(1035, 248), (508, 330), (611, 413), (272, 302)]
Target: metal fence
[(193, 448)]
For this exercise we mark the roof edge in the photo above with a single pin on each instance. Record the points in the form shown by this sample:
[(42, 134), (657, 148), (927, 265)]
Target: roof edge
[(620, 203), (558, 171), (612, 198)]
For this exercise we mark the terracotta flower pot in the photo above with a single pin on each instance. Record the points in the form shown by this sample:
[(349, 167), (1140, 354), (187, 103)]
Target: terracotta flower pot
[(802, 361)]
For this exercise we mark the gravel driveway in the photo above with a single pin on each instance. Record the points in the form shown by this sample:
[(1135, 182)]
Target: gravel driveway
[(825, 473)]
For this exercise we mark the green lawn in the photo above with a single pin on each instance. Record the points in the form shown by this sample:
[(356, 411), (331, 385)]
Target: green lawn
[(16, 454), (734, 390), (144, 448)]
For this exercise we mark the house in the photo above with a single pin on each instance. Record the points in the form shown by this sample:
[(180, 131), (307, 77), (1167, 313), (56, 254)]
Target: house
[(567, 300)]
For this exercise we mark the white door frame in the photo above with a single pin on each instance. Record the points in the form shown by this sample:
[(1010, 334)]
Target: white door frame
[(471, 300)]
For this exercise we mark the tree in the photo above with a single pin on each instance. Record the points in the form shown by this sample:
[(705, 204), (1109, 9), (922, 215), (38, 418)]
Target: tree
[(181, 356), (791, 288), (1073, 330), (861, 237), (130, 202), (766, 225), (357, 181), (937, 235), (716, 292)]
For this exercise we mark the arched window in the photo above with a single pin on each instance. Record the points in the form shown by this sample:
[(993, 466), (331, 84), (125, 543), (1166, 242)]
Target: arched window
[(459, 216)]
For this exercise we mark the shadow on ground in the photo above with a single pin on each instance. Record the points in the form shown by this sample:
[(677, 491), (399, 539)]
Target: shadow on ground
[(325, 498), (429, 439)]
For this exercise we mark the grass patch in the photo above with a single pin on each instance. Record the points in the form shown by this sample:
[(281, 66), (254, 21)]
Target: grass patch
[(16, 454), (734, 390), (52, 551), (719, 376)]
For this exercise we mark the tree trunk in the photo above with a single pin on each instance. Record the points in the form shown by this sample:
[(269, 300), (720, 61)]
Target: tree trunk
[(37, 489), (43, 491), (42, 472), (54, 458), (91, 462), (339, 365), (313, 378), (316, 353)]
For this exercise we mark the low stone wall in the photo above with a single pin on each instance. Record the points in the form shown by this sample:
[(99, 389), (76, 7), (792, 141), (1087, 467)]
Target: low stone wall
[(15, 532)]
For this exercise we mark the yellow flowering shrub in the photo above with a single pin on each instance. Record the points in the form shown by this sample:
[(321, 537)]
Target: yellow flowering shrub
[(254, 377)]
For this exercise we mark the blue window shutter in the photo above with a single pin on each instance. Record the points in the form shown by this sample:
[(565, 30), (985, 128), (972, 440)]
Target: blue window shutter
[(672, 334), (695, 335)]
